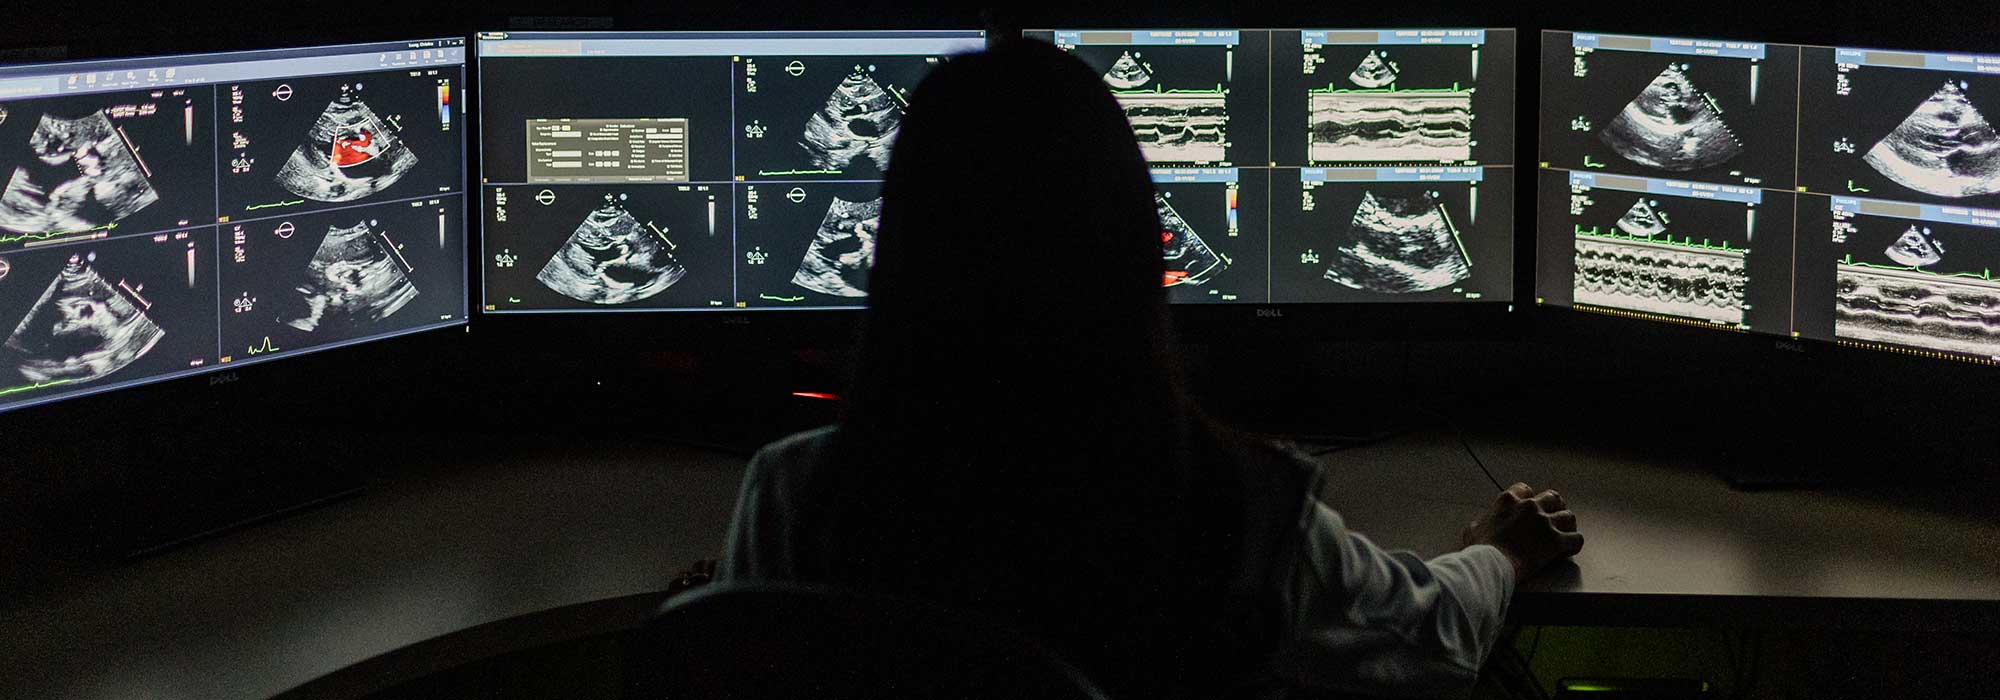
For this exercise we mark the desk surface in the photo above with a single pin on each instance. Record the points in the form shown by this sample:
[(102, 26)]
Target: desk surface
[(503, 553), (452, 550), (1673, 544)]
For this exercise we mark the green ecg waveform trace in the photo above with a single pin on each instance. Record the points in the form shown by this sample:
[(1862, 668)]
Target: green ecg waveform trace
[(34, 386), (1330, 89), (54, 234), (255, 207), (772, 173), (1685, 242), (1158, 90), (777, 298), (1986, 275)]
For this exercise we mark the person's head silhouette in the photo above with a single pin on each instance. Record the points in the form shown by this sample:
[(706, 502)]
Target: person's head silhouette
[(1017, 278), (1017, 439)]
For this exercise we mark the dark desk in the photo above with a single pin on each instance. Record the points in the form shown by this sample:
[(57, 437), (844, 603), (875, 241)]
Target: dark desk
[(499, 554), (1674, 545), (341, 600)]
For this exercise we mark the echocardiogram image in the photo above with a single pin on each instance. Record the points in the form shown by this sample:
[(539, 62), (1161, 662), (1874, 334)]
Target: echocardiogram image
[(1703, 118), (1908, 282), (1359, 239), (294, 282), (1212, 236), (607, 247), (1898, 133), (1378, 104), (693, 92), (110, 163), (807, 244), (1189, 104), (307, 144), (85, 315), (1694, 251), (832, 117)]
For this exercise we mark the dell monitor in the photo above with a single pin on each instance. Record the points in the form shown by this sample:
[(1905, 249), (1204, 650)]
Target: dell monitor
[(1814, 192), (175, 215), (1302, 168), (690, 171)]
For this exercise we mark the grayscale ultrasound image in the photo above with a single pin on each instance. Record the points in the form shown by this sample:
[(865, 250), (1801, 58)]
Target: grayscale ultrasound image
[(608, 247), (82, 328), (820, 117), (611, 258), (92, 163), (82, 315), (1945, 147), (355, 274), (1392, 241), (842, 250), (1672, 125), (1700, 118), (106, 183), (1397, 245), (859, 120)]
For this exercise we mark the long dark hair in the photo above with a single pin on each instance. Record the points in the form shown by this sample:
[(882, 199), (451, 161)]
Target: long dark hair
[(1018, 439)]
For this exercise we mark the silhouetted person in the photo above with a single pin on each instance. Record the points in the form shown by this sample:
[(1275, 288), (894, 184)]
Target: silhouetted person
[(1019, 442)]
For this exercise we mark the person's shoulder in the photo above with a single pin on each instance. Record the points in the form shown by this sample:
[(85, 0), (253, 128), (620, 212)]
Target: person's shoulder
[(795, 451), (1259, 456)]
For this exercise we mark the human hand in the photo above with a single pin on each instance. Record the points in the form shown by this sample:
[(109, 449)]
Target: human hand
[(1532, 529), (696, 575)]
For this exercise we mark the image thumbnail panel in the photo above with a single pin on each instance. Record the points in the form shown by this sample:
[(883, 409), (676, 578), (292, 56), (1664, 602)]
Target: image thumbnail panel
[(1387, 97), (1212, 234), (807, 244), (1687, 109), (106, 164), (1403, 234), (1907, 276), (833, 117), (308, 144), (607, 247), (1900, 126), (1671, 249), (1193, 97), (103, 313), (295, 282)]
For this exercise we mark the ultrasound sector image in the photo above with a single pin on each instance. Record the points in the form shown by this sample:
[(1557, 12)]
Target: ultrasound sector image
[(81, 314), (124, 162), (316, 143), (821, 116), (1178, 102), (651, 246), (810, 244), (1673, 256), (298, 281), (1919, 284), (1700, 118), (1204, 263), (1390, 241), (1385, 104), (1899, 134)]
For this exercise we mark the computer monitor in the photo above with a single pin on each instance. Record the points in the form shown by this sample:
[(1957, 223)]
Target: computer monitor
[(1321, 166), (690, 171), (174, 215), (1839, 194)]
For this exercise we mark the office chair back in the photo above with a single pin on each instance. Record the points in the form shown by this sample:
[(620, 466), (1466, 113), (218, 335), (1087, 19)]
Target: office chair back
[(771, 641)]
